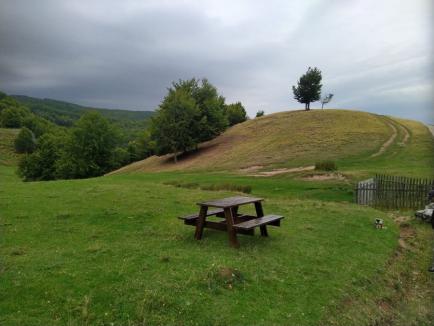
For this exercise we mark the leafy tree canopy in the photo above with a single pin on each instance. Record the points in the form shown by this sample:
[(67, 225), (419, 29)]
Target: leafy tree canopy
[(25, 141), (89, 148), (308, 87), (191, 112), (235, 113)]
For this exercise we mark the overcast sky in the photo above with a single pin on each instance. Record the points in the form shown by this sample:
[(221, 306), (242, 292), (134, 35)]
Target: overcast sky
[(375, 55)]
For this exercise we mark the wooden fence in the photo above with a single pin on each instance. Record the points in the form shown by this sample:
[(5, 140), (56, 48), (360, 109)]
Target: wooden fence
[(393, 192)]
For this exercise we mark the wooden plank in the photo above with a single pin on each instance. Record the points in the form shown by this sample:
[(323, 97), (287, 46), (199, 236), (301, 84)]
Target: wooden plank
[(231, 201), (260, 213), (195, 216), (267, 219)]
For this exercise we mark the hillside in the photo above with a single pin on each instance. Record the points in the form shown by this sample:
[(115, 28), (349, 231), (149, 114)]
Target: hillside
[(65, 114), (7, 151), (299, 139)]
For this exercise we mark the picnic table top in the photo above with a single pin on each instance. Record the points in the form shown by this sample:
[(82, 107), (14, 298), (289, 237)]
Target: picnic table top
[(230, 201)]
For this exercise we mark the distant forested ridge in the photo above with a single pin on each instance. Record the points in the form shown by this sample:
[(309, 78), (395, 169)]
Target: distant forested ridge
[(60, 140), (66, 114)]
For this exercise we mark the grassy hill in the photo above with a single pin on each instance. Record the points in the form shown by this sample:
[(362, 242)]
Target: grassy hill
[(65, 114), (357, 140), (7, 150)]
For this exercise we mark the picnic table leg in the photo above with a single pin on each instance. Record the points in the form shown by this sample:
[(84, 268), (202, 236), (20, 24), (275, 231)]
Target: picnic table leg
[(260, 213), (234, 211), (233, 241), (200, 222)]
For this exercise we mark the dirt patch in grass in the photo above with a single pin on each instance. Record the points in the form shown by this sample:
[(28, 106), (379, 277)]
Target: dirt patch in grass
[(282, 171), (251, 169), (325, 177)]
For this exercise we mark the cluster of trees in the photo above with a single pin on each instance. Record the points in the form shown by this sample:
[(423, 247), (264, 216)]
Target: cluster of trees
[(90, 148), (192, 112), (15, 115)]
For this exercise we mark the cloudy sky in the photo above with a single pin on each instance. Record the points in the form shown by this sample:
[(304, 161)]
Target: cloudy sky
[(375, 55)]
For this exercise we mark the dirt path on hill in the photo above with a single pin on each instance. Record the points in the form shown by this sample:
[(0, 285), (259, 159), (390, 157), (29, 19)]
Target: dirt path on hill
[(389, 142)]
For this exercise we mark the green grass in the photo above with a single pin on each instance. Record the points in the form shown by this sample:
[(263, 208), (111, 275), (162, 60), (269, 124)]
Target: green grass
[(110, 250), (413, 158)]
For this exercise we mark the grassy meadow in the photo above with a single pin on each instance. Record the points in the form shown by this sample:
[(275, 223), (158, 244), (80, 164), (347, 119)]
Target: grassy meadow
[(110, 250)]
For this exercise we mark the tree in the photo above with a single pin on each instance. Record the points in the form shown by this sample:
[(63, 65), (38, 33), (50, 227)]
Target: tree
[(211, 120), (260, 113), (326, 99), (235, 113), (308, 87), (141, 147), (89, 148), (41, 164), (37, 124), (25, 141), (11, 118), (174, 126), (191, 112)]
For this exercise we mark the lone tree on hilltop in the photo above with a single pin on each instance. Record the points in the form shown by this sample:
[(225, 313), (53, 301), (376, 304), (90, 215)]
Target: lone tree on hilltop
[(326, 99), (308, 87)]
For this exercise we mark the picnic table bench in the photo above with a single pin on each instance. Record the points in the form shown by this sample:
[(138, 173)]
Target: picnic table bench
[(232, 221)]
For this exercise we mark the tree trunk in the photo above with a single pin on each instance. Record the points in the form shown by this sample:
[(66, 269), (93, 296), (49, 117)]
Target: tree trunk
[(322, 106), (308, 106), (175, 157)]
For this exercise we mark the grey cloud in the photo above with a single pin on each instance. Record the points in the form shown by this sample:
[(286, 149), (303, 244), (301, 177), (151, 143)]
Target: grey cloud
[(374, 56)]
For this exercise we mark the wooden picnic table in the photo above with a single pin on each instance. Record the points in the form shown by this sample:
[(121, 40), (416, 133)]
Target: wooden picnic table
[(233, 222)]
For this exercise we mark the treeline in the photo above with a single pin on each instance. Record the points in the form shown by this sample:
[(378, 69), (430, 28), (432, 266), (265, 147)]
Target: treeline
[(15, 115), (89, 149), (190, 113), (130, 123)]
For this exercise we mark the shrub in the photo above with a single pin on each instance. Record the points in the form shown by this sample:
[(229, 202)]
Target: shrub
[(260, 113), (25, 141), (326, 166)]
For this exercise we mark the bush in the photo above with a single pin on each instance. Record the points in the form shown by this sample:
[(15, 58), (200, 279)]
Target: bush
[(326, 166), (25, 141), (41, 164), (260, 113), (11, 118)]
